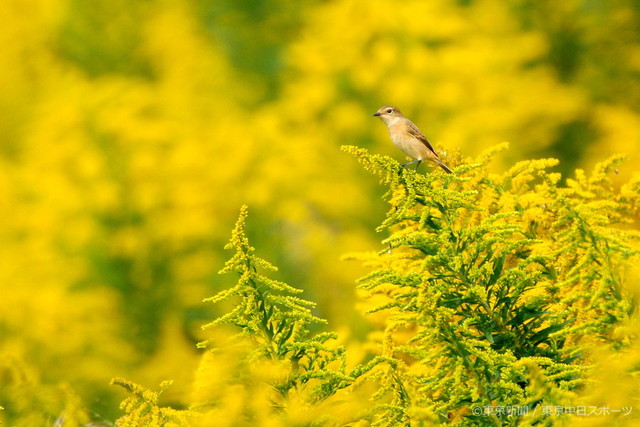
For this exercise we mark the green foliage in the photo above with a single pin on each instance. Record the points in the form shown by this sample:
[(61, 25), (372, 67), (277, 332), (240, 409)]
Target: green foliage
[(141, 407), (493, 291), (277, 321), (500, 282)]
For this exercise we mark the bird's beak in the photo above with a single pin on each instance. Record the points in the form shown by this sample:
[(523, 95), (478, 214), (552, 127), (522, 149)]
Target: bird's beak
[(376, 114)]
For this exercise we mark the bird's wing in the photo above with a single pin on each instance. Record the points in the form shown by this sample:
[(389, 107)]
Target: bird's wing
[(415, 132)]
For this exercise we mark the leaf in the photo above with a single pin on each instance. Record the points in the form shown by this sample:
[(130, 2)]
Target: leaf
[(497, 270), (526, 313), (543, 334)]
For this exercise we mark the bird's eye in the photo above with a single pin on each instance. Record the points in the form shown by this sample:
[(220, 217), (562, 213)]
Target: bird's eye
[(389, 110)]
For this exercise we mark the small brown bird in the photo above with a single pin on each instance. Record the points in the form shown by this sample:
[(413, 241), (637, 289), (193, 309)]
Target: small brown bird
[(408, 138)]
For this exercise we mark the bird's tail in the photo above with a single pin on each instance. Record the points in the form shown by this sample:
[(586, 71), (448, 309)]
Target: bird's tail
[(442, 165)]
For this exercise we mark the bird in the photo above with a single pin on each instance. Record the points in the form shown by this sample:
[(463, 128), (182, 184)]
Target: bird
[(407, 137)]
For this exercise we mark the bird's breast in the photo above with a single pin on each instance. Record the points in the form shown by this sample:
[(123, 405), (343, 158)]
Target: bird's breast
[(407, 143)]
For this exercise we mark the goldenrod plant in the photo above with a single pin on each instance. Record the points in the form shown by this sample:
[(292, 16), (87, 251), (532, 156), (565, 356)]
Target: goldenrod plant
[(270, 369), (490, 300), (496, 288), (141, 407), (271, 315)]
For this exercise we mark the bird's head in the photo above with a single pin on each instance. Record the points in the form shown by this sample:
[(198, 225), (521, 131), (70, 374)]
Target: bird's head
[(389, 114)]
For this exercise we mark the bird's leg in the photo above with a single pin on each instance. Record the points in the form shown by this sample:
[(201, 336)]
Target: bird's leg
[(418, 164), (404, 165)]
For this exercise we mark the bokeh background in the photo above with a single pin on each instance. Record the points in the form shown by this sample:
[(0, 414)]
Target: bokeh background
[(132, 131)]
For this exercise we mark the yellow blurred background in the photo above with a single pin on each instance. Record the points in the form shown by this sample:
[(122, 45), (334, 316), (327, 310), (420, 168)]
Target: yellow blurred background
[(131, 133)]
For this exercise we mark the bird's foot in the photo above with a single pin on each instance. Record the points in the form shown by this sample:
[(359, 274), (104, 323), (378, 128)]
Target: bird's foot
[(404, 165)]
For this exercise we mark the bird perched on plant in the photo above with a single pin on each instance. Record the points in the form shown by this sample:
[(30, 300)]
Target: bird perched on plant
[(408, 138)]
